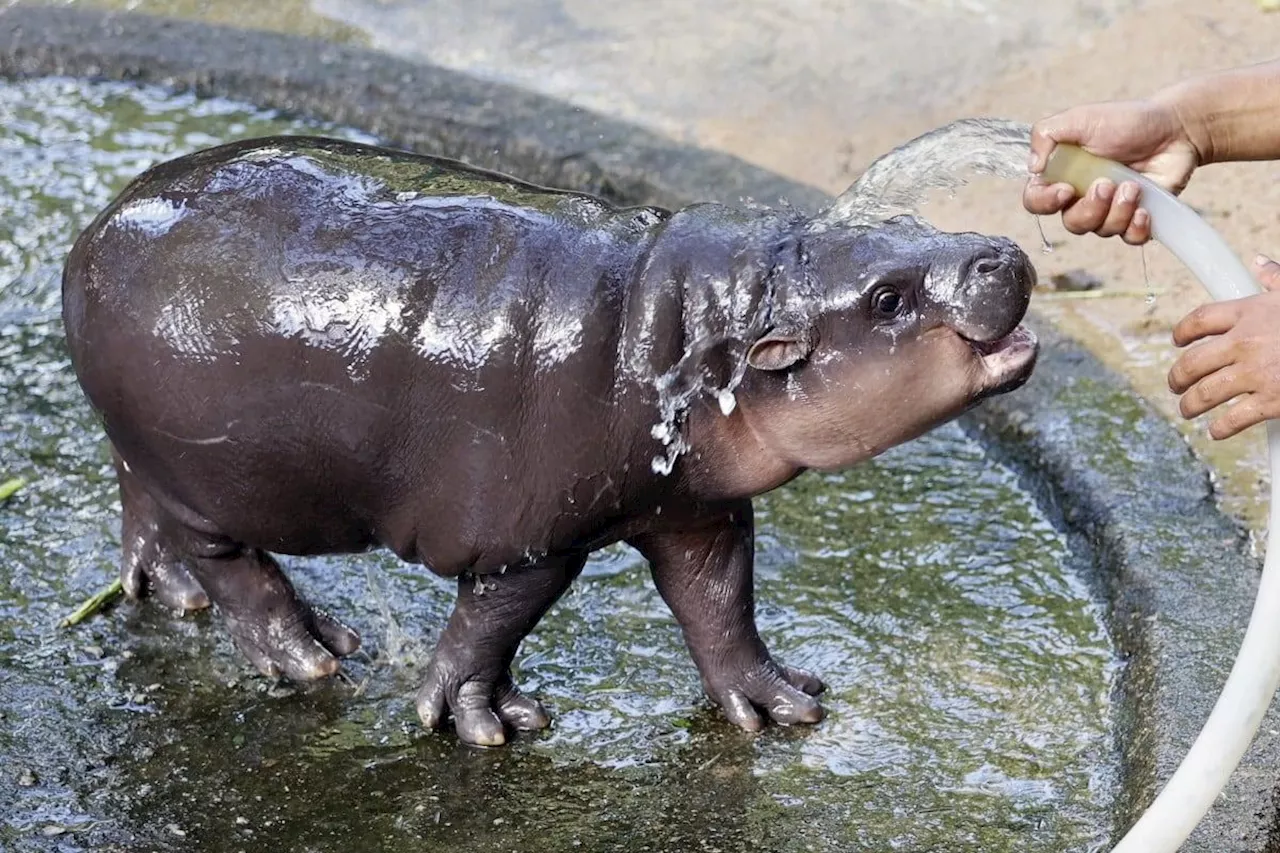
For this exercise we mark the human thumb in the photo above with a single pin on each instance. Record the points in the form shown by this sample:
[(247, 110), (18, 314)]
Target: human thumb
[(1049, 131)]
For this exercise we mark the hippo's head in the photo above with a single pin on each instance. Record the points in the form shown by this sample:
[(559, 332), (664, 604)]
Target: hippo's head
[(884, 333)]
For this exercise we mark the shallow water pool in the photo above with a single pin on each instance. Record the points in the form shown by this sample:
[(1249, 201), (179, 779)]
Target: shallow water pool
[(970, 673)]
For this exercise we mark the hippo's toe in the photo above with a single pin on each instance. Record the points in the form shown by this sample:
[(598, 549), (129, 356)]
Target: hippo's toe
[(522, 713), (802, 679)]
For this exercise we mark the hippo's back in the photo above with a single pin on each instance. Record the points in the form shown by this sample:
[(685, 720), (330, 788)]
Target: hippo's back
[(309, 322), (274, 236)]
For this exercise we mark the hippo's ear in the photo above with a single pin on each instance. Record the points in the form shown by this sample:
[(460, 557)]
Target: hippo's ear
[(781, 348)]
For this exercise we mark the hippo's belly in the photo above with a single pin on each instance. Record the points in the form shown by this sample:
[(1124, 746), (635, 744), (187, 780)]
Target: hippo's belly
[(280, 447)]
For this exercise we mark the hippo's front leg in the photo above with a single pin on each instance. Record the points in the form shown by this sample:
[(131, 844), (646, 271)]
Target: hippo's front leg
[(470, 672), (706, 578)]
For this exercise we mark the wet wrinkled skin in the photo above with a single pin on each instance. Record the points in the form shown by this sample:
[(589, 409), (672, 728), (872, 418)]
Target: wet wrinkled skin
[(303, 346)]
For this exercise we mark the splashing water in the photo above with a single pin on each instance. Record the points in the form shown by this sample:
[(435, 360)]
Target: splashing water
[(898, 181), (678, 387)]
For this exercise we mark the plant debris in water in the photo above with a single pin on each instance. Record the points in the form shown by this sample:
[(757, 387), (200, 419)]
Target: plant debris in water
[(93, 604), (9, 488)]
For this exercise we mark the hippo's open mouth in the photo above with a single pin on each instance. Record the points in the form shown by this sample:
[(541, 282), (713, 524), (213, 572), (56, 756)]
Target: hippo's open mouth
[(1008, 361)]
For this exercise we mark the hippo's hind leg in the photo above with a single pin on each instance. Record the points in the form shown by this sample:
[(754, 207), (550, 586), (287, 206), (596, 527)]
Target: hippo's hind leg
[(705, 576), (185, 569), (272, 626), (149, 564), (470, 672)]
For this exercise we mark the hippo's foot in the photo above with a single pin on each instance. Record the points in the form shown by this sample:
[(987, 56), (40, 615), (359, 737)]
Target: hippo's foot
[(705, 576), (784, 694), (482, 704), (143, 573), (276, 630), (148, 563), (469, 676)]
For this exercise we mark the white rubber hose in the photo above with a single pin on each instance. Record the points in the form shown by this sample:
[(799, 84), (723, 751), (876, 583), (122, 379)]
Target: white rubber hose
[(1255, 676)]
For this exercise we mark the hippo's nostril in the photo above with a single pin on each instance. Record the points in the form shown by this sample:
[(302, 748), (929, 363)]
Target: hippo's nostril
[(987, 266)]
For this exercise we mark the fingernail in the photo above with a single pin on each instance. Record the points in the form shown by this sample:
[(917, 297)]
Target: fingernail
[(1104, 190), (1129, 193), (1141, 218), (1065, 195), (1033, 162), (1261, 261)]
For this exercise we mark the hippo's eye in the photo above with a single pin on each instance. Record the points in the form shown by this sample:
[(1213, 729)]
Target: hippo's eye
[(887, 303)]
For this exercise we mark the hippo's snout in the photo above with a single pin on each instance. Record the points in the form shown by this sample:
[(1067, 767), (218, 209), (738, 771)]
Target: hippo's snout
[(985, 292)]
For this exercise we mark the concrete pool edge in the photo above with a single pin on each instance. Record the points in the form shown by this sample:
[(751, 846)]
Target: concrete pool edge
[(1120, 477), (419, 106)]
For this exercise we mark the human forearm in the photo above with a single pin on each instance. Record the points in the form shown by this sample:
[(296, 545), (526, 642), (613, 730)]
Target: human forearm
[(1230, 115)]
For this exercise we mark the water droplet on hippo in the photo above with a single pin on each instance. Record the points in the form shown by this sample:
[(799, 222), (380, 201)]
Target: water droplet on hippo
[(662, 465), (728, 402)]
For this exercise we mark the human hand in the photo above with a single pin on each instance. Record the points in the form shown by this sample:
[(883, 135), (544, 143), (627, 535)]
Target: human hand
[(1242, 360), (1147, 136)]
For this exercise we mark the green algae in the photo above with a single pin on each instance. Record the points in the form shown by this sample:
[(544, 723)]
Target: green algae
[(284, 16)]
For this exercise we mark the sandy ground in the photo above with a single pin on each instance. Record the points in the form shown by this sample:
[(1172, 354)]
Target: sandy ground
[(816, 89)]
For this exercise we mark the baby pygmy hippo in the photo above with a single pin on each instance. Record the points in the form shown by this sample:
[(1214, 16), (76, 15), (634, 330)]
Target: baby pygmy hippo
[(307, 346)]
